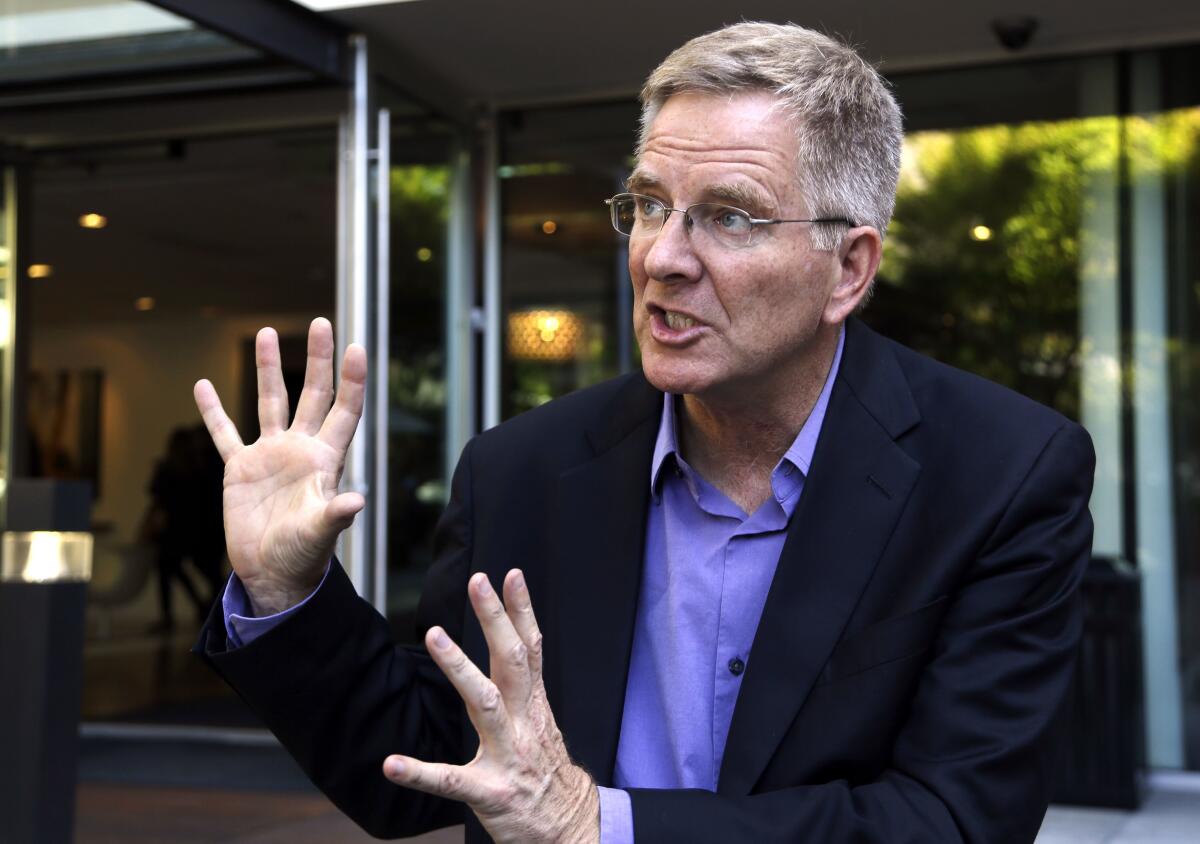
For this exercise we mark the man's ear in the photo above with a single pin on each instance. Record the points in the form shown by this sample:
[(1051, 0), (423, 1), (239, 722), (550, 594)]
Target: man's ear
[(858, 259)]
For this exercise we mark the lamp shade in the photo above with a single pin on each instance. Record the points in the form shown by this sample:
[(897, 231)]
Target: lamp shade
[(544, 335)]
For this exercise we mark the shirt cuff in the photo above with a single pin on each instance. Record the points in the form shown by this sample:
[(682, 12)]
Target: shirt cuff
[(241, 626), (616, 816)]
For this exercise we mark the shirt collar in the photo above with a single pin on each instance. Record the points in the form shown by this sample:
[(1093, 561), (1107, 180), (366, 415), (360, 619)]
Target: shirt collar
[(799, 454)]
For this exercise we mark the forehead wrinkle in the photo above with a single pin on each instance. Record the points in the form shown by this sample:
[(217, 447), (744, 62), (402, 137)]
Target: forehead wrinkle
[(764, 156), (753, 191)]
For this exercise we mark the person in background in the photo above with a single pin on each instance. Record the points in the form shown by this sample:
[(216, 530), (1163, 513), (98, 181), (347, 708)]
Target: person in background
[(184, 522)]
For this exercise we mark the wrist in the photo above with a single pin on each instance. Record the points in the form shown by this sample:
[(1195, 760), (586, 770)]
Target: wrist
[(585, 819), (271, 596)]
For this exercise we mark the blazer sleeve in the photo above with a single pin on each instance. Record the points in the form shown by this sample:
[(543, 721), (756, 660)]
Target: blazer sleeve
[(972, 762), (340, 696)]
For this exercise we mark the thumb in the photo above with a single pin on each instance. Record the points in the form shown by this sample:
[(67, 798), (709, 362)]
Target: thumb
[(340, 511)]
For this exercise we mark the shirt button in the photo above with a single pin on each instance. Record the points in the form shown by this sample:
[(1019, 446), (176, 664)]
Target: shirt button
[(736, 667)]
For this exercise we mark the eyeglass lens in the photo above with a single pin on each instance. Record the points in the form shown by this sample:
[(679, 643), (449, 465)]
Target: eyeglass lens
[(641, 216)]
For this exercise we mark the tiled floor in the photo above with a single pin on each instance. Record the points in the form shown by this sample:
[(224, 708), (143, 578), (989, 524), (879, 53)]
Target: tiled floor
[(1169, 815), (121, 814)]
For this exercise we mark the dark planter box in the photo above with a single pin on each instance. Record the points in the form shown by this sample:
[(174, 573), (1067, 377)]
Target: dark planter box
[(1102, 726)]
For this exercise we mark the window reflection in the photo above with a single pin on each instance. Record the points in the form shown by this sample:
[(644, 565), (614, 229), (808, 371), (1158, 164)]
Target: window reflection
[(985, 255), (420, 208)]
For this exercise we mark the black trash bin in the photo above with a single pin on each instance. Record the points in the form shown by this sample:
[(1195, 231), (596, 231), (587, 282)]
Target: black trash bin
[(1102, 725), (45, 556)]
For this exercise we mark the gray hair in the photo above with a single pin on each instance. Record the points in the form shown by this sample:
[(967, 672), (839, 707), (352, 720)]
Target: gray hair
[(848, 124)]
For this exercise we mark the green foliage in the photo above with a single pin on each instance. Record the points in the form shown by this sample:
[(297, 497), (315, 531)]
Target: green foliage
[(1005, 307)]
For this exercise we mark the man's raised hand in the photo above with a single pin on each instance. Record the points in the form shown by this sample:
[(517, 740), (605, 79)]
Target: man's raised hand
[(283, 512), (522, 784)]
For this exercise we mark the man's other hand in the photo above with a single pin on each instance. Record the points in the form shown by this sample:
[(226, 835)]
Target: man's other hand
[(283, 512), (522, 784)]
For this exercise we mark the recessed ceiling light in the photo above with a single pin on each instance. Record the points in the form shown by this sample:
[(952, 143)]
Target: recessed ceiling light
[(93, 220), (40, 271), (145, 303)]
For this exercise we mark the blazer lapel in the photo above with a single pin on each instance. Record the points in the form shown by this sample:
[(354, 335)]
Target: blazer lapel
[(857, 487), (596, 574)]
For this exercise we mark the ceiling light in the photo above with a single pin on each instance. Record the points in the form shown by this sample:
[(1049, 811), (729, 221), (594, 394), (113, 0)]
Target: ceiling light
[(334, 5), (40, 271), (93, 220), (145, 303), (981, 233)]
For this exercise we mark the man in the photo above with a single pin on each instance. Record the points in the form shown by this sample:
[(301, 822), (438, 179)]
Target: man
[(796, 582)]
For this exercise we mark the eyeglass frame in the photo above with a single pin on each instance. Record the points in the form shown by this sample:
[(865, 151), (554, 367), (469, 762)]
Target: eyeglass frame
[(668, 211)]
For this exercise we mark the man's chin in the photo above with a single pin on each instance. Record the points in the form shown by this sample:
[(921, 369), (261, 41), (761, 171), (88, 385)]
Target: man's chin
[(671, 380)]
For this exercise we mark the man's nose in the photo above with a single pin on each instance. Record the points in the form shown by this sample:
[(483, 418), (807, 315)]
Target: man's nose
[(672, 254)]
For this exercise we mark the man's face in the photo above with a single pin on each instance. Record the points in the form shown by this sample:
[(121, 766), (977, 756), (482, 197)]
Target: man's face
[(755, 309)]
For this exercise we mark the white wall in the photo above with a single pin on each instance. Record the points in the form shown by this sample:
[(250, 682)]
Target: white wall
[(150, 365)]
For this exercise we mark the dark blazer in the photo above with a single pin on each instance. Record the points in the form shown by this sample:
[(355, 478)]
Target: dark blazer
[(916, 642)]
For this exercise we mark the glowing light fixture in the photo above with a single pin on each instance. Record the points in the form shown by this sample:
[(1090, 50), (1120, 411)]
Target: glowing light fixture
[(424, 254), (40, 271), (145, 303), (92, 220), (44, 556), (981, 233), (334, 5), (549, 227), (544, 335)]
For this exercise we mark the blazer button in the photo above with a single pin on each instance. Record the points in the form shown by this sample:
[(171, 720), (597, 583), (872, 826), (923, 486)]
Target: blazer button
[(736, 667)]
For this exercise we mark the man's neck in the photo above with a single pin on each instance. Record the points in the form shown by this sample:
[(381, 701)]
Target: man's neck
[(735, 441)]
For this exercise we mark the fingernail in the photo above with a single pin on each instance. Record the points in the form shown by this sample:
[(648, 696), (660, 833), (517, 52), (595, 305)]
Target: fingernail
[(395, 768), (518, 580), (485, 586), (441, 640)]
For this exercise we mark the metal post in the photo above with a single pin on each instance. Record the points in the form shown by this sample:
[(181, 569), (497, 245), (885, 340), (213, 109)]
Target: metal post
[(353, 294), (460, 299), (383, 219), (491, 277)]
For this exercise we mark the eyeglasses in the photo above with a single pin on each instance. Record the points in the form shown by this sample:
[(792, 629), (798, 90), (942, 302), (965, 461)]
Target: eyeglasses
[(637, 215)]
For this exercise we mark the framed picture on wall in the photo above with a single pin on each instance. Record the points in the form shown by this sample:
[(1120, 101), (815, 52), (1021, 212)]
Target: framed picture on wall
[(64, 424)]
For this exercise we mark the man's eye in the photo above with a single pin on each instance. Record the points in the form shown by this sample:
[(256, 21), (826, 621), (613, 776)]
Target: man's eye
[(734, 222), (650, 207)]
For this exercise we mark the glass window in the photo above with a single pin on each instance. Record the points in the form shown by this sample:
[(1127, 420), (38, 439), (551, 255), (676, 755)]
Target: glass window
[(1179, 134), (421, 193), (565, 285), (1168, 159), (166, 259)]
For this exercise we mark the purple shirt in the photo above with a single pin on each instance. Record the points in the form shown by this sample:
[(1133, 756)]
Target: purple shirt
[(708, 568)]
